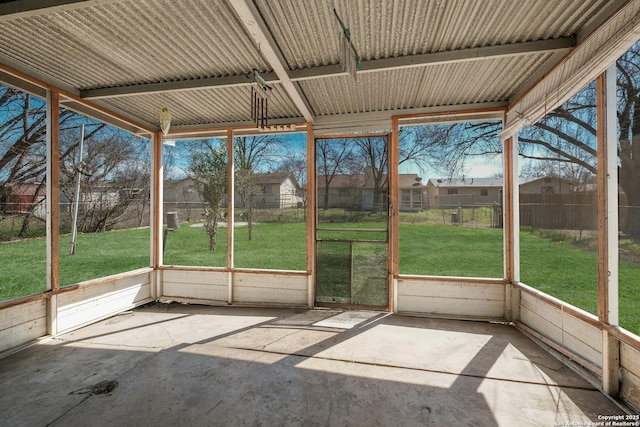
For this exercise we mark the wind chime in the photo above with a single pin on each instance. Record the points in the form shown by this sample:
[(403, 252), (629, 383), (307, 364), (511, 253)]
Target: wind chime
[(349, 56), (260, 92), (165, 117)]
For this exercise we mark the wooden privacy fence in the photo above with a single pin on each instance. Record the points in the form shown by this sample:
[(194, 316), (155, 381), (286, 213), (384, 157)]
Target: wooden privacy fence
[(572, 211)]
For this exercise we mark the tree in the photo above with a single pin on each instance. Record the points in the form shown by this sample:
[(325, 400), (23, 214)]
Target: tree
[(257, 153), (628, 67), (208, 166), (247, 192), (114, 177), (23, 144), (563, 143), (251, 154), (374, 155), (331, 155)]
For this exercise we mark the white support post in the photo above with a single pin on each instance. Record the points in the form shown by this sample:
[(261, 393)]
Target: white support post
[(607, 177), (49, 201), (611, 147), (511, 227), (156, 212), (311, 216), (230, 212), (53, 208), (516, 209)]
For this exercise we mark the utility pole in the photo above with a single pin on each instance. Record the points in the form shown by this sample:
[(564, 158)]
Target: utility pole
[(76, 203)]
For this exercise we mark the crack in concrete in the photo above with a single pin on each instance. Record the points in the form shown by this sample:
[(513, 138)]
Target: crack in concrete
[(275, 341)]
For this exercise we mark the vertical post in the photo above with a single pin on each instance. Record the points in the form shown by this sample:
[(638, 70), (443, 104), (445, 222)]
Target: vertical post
[(76, 196), (156, 250), (607, 184), (394, 220), (53, 207), (511, 223), (311, 215), (230, 213)]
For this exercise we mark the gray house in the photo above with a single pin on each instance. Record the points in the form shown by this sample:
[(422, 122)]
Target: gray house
[(358, 191), (451, 192)]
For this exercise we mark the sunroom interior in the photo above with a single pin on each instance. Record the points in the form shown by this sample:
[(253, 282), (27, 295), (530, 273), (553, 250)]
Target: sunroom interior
[(318, 76)]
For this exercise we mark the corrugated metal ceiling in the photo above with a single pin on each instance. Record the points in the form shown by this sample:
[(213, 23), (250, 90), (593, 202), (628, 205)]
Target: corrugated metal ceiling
[(177, 53), (391, 28), (133, 42)]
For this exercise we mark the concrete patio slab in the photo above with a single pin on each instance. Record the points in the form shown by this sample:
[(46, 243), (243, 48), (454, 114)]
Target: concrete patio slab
[(175, 364)]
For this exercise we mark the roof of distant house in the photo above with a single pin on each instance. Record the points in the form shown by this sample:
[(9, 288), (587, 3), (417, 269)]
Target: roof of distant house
[(409, 180), (480, 182), (342, 181), (272, 177), (27, 189)]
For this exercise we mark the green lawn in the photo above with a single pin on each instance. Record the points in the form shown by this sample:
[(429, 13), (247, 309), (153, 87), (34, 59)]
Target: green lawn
[(275, 246), (444, 250), (570, 274), (557, 268), (97, 255)]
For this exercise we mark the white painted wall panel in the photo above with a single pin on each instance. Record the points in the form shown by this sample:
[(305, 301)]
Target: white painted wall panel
[(543, 318), (574, 334), (94, 302), (458, 299), (22, 323), (199, 285), (270, 288), (630, 363)]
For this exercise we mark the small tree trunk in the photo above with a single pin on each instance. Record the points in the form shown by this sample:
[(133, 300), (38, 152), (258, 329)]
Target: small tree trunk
[(326, 197), (250, 221), (212, 243), (212, 228), (25, 225)]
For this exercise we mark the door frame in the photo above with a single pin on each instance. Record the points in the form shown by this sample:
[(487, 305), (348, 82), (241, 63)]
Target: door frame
[(312, 214)]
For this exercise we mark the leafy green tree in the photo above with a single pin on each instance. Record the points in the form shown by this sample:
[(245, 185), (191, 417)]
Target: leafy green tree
[(252, 154), (208, 166), (247, 191)]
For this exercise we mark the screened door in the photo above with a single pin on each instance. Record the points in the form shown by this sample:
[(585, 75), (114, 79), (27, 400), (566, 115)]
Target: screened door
[(352, 232)]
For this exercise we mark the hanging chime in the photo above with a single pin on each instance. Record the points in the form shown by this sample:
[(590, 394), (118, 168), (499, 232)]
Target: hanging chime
[(260, 92), (165, 120)]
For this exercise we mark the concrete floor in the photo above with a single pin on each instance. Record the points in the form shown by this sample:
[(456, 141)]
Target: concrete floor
[(175, 365)]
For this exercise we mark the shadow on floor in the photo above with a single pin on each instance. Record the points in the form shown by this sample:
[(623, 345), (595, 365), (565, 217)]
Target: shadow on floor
[(193, 365)]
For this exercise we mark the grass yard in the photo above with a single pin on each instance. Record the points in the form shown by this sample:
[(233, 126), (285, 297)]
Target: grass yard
[(555, 267), (97, 255), (444, 250), (570, 274), (274, 246)]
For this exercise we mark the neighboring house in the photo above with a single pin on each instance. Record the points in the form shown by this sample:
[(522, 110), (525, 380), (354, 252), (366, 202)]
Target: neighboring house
[(278, 190), (357, 192), (413, 195), (344, 191), (184, 190), (546, 185), (23, 198), (446, 192)]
